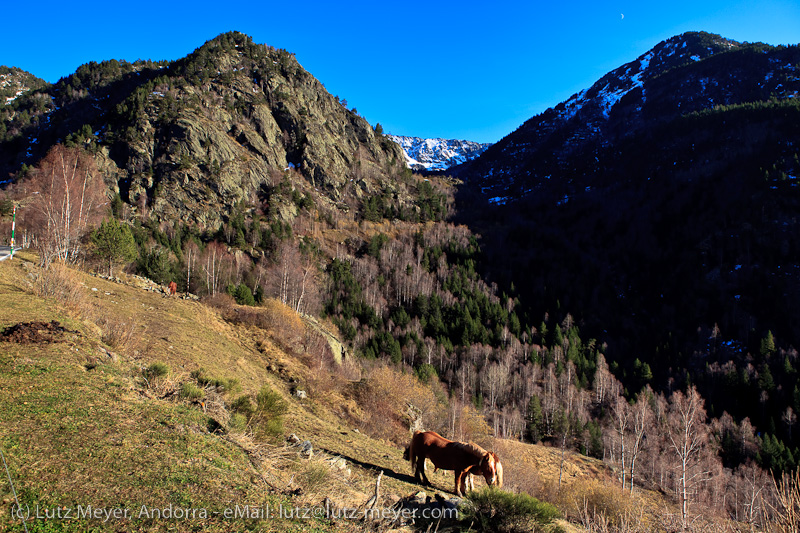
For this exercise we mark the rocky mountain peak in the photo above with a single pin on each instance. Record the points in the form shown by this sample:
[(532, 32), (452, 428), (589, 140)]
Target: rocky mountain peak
[(437, 154), (223, 124), (685, 74)]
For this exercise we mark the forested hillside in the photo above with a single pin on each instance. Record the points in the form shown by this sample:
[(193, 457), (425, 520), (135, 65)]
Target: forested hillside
[(658, 207)]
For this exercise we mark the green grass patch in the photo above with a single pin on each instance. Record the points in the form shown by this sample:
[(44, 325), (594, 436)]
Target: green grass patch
[(190, 391), (494, 510), (220, 384), (156, 370)]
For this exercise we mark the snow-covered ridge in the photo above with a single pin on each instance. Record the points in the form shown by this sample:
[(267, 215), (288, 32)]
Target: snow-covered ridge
[(14, 83), (612, 87), (437, 154), (7, 81)]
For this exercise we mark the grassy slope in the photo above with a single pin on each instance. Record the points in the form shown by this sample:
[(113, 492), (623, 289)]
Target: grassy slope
[(80, 427)]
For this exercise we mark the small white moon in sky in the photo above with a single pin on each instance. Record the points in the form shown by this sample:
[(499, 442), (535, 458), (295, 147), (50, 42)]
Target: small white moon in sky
[(622, 16)]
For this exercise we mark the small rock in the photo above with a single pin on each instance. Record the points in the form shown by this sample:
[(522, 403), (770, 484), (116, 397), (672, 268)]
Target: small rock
[(306, 449), (111, 355)]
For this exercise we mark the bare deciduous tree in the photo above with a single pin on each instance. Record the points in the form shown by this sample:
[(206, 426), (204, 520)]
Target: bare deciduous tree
[(602, 380), (620, 418), (68, 199), (642, 418), (190, 252), (785, 512), (214, 262), (752, 484), (789, 418), (294, 279), (688, 438)]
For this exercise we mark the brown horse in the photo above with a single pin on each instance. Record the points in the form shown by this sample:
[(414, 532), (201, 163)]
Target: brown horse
[(449, 455), (475, 469)]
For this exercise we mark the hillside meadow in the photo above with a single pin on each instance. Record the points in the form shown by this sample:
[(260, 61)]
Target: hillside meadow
[(127, 403)]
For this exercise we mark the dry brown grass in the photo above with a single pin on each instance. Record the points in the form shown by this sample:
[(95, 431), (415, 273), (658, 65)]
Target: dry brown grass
[(120, 334), (63, 284), (280, 321), (588, 495), (118, 422), (385, 396), (66, 286), (602, 507)]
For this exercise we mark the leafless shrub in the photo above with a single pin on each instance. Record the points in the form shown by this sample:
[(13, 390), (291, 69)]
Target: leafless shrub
[(119, 334), (221, 301), (385, 396), (62, 284), (282, 323)]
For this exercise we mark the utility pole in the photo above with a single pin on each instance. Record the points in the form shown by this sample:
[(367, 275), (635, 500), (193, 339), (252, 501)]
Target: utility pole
[(13, 224)]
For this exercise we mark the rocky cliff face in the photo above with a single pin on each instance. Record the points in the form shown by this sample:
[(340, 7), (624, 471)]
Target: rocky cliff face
[(437, 154), (194, 137)]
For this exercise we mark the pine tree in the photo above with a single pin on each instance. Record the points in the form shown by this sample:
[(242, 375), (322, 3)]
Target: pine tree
[(535, 418), (768, 345), (114, 243)]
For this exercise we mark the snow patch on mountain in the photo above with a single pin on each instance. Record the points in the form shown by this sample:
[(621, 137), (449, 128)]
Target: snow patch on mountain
[(437, 154)]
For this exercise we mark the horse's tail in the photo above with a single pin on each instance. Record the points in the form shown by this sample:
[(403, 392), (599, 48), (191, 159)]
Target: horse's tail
[(411, 453), (499, 466)]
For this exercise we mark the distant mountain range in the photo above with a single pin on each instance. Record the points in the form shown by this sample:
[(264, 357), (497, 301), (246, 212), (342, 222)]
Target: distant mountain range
[(437, 154)]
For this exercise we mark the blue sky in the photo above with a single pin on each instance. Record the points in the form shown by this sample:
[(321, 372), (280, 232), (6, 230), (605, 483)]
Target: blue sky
[(466, 70)]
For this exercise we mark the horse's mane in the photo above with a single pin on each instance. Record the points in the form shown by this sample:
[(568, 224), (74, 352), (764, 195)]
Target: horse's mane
[(471, 448)]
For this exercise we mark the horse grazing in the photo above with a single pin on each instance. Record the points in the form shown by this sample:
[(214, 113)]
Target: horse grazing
[(459, 457), (475, 469)]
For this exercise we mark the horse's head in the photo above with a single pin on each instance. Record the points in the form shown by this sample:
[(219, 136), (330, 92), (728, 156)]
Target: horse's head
[(491, 469)]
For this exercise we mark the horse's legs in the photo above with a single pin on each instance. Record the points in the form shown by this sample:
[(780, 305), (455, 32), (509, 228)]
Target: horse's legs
[(469, 482), (420, 471), (459, 482), (465, 482)]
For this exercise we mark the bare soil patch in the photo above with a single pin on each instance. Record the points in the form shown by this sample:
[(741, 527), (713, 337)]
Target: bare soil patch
[(34, 332)]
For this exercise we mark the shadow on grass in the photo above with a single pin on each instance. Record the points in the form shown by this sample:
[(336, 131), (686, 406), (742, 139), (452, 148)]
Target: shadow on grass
[(388, 472), (9, 288)]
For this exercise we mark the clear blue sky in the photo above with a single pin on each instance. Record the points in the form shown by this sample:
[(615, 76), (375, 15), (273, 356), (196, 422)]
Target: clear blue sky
[(466, 70)]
